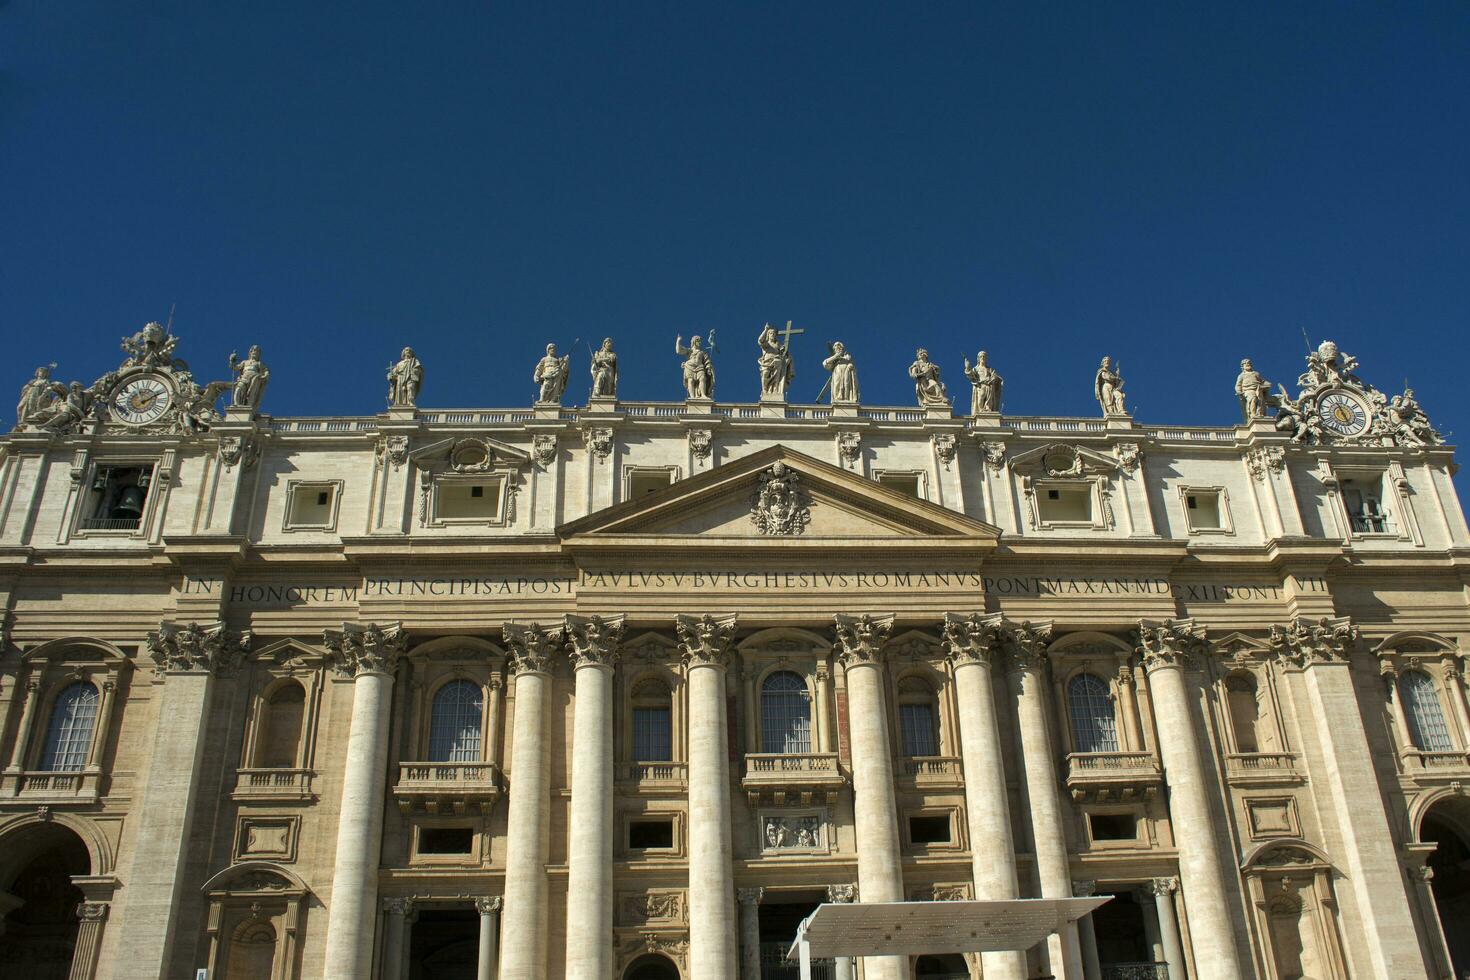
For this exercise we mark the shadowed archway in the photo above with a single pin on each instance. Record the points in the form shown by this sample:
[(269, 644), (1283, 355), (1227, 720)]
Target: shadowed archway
[(39, 937)]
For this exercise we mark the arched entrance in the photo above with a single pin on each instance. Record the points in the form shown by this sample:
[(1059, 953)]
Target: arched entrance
[(1445, 826), (651, 967), (40, 930)]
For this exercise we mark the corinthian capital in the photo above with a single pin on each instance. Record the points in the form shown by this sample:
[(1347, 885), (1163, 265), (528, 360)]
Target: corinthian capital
[(362, 648), (860, 638), (705, 639), (970, 639), (533, 646), (594, 639), (1311, 641), (1171, 643), (189, 646)]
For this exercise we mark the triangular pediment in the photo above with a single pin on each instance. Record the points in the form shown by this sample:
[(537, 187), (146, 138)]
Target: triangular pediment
[(837, 507)]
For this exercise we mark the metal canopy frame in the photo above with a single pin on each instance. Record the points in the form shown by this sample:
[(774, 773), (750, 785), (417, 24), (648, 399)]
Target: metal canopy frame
[(919, 928)]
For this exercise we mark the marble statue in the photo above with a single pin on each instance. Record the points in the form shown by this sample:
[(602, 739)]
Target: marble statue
[(196, 404), (1253, 391), (1329, 367), (37, 395), (776, 366), (153, 346), (844, 381), (605, 371), (1408, 423), (1107, 387), (930, 391), (1293, 418), (251, 376), (66, 412), (551, 375), (405, 380), (985, 385), (699, 369)]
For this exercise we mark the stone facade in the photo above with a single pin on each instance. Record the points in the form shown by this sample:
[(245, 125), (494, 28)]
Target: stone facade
[(625, 691)]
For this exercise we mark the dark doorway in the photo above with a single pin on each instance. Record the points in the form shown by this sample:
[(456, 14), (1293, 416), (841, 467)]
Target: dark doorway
[(950, 967), (41, 933), (1123, 947), (1451, 886), (780, 915), (651, 968), (444, 944)]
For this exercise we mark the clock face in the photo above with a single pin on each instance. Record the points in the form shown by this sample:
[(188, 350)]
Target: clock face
[(141, 400), (1342, 413)]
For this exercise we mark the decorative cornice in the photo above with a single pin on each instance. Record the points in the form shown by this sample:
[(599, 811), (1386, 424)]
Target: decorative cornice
[(1171, 643), (705, 639), (179, 647), (533, 646), (365, 648), (594, 640), (860, 638), (1305, 641)]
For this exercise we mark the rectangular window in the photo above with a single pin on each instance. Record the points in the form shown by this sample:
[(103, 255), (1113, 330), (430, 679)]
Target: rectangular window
[(446, 840), (647, 835), (643, 482), (471, 501), (1113, 826), (312, 505), (902, 482), (1363, 498), (916, 723), (117, 498), (930, 829), (1204, 510), (1065, 505), (651, 735)]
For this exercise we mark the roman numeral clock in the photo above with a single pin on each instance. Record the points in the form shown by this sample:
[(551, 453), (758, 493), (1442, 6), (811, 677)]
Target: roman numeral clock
[(141, 400), (1343, 413)]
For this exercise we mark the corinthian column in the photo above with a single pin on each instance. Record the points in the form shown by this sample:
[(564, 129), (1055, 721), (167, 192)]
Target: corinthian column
[(368, 654), (594, 643), (1321, 648), (704, 642), (188, 658), (1164, 648), (972, 644), (860, 642), (527, 830)]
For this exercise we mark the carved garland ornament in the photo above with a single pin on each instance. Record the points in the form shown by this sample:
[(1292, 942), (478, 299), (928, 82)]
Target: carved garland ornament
[(781, 506)]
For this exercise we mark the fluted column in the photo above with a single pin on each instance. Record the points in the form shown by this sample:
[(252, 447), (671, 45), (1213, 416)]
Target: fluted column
[(750, 932), (188, 657), (1373, 868), (843, 894), (704, 642), (1086, 934), (860, 642), (1026, 644), (30, 693), (395, 922), (91, 918), (369, 654), (594, 644), (1162, 889), (1164, 648), (972, 643), (489, 909), (527, 830)]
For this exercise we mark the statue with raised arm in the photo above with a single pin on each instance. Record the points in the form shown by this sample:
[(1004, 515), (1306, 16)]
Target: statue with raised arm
[(37, 395), (699, 369), (251, 376), (1253, 391), (605, 371), (551, 375), (405, 380), (985, 385), (928, 388), (844, 379), (776, 366), (1107, 387)]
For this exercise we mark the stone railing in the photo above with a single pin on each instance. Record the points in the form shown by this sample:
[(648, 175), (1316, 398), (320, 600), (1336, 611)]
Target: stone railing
[(784, 774), (1135, 971), (447, 786), (655, 774), (1112, 775), (1452, 761), (931, 768), (275, 785), (79, 786), (1243, 768)]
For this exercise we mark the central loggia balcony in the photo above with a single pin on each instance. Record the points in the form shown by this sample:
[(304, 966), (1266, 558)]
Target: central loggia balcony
[(274, 785), (447, 787), (654, 778), (1111, 776), (926, 771), (786, 777)]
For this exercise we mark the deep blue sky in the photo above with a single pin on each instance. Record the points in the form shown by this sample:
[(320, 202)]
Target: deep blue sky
[(1172, 184)]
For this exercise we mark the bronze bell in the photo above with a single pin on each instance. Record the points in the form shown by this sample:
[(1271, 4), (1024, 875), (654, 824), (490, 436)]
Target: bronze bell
[(129, 503)]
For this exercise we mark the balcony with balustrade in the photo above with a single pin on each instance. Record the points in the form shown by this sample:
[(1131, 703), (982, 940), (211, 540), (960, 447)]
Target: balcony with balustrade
[(46, 788), (447, 787), (1103, 777), (930, 772), (1451, 765), (654, 778), (786, 778), (274, 785), (1262, 769)]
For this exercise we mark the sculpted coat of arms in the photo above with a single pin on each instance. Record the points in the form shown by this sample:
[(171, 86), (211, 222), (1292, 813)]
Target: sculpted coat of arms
[(781, 505)]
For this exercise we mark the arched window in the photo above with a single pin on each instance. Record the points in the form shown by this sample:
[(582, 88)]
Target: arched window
[(918, 718), (652, 722), (279, 736), (1094, 728), (1423, 712), (1240, 695), (252, 951), (69, 735), (454, 723), (786, 714)]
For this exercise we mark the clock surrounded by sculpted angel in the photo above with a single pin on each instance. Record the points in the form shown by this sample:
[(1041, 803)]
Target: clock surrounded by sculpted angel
[(141, 400), (1342, 414)]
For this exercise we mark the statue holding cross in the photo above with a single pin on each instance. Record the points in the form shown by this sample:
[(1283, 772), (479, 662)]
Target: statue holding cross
[(776, 366)]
